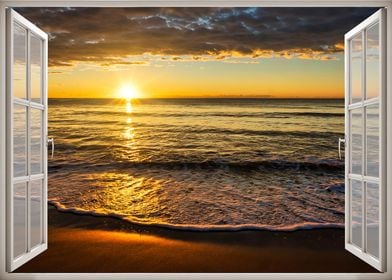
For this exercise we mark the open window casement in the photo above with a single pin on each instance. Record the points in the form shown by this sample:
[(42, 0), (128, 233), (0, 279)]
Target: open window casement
[(365, 129), (26, 140)]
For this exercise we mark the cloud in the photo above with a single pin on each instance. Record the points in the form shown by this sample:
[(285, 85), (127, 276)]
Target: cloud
[(124, 63), (110, 35)]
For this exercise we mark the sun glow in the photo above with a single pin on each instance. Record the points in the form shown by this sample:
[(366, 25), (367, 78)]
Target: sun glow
[(128, 92), (128, 106)]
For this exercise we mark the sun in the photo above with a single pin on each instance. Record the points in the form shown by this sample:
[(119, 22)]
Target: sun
[(128, 92)]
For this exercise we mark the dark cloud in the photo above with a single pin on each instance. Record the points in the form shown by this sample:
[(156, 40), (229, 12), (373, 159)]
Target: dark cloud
[(107, 35)]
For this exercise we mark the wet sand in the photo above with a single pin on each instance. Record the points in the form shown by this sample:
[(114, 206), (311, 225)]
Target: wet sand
[(83, 243)]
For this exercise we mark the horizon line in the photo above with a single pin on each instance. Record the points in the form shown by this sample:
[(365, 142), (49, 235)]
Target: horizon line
[(321, 98)]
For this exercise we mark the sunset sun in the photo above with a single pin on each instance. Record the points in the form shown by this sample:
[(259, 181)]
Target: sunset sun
[(128, 92)]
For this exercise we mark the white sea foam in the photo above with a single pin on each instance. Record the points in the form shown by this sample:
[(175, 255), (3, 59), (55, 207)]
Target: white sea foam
[(194, 227)]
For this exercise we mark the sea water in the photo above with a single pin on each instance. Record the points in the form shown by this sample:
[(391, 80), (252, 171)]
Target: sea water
[(201, 164)]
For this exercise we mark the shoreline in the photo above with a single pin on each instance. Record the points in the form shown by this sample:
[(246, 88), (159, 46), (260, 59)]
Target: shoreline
[(106, 244), (198, 228)]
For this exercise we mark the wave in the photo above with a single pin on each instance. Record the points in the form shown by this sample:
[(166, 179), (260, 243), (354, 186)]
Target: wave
[(213, 114), (195, 227), (310, 114), (250, 132), (326, 165), (181, 129)]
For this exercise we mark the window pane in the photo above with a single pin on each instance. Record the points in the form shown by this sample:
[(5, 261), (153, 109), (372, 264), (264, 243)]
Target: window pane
[(19, 219), (36, 141), (20, 136), (372, 219), (356, 68), (372, 62), (372, 140), (356, 141), (36, 55), (356, 213), (19, 66), (36, 214)]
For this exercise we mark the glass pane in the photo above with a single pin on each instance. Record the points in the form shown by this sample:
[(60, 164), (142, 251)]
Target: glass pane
[(20, 136), (356, 141), (36, 55), (356, 68), (19, 219), (356, 213), (36, 214), (372, 218), (372, 62), (372, 140), (36, 141), (19, 66)]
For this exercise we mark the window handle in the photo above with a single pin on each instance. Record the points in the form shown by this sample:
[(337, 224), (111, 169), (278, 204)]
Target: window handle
[(341, 140), (51, 141)]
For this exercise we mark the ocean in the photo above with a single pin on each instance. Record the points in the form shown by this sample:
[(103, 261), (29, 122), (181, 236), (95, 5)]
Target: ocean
[(200, 164)]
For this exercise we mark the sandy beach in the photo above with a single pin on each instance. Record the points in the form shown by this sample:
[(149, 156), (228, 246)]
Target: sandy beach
[(83, 243)]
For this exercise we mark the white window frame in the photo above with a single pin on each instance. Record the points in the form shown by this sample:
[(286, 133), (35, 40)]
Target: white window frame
[(184, 3), (32, 30), (379, 263)]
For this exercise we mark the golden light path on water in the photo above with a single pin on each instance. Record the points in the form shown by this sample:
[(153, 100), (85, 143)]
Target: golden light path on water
[(129, 130)]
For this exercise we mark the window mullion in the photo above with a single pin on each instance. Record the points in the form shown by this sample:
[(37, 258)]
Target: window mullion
[(28, 193), (364, 148)]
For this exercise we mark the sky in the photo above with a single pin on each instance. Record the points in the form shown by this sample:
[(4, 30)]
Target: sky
[(196, 52)]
